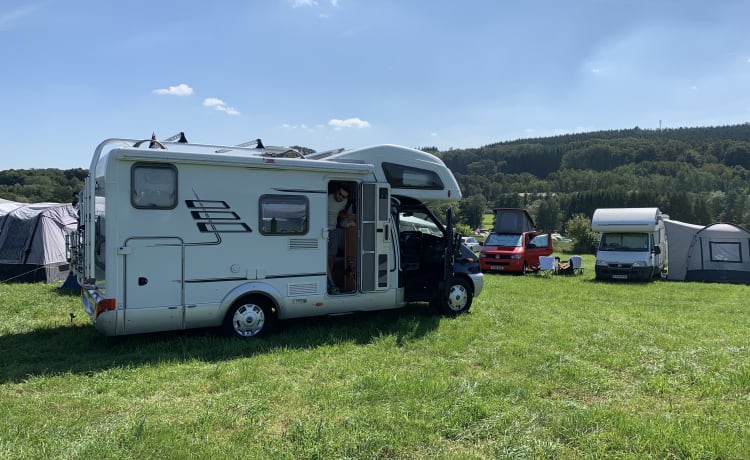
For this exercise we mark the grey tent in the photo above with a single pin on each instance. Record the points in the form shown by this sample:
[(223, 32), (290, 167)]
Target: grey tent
[(715, 253), (6, 207), (32, 242)]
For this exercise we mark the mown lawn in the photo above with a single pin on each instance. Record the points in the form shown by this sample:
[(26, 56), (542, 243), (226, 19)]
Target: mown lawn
[(559, 367)]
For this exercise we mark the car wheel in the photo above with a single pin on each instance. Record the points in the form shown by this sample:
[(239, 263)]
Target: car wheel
[(458, 299), (250, 317)]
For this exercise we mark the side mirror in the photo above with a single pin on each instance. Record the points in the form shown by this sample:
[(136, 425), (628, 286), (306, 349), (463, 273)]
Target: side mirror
[(657, 250)]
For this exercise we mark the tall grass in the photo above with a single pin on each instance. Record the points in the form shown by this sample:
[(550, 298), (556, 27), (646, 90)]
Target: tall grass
[(558, 367)]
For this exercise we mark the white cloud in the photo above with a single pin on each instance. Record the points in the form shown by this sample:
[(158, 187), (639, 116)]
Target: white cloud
[(303, 126), (180, 90), (348, 123), (220, 105), (299, 3), (311, 3), (213, 102)]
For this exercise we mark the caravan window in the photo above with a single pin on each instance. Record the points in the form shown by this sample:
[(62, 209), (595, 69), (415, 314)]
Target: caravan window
[(284, 215), (400, 176), (153, 186)]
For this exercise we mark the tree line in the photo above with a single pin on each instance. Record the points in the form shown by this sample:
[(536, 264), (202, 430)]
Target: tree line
[(697, 175), (41, 185)]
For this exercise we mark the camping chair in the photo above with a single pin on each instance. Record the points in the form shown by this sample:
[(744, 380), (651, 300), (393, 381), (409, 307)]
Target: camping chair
[(547, 265), (576, 263)]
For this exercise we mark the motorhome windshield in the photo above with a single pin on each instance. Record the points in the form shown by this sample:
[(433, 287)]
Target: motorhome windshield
[(504, 239), (631, 242)]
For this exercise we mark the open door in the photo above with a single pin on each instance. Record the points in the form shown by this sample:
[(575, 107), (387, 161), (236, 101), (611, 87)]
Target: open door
[(450, 249), (375, 242)]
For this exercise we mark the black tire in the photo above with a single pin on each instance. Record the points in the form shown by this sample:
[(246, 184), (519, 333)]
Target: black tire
[(458, 299), (250, 317)]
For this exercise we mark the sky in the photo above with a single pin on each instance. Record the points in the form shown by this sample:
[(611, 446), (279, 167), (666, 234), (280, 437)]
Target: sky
[(326, 74)]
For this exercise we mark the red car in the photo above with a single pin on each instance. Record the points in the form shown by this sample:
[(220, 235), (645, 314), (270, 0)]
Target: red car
[(514, 252), (514, 244)]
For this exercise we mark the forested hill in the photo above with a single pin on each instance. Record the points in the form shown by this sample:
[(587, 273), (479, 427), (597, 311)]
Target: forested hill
[(41, 185), (698, 175)]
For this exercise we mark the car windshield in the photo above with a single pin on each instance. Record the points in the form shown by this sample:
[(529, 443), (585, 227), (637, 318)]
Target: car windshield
[(504, 239), (418, 222), (632, 242)]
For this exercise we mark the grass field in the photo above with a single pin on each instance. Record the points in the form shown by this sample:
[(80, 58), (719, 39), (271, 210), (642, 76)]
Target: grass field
[(558, 367)]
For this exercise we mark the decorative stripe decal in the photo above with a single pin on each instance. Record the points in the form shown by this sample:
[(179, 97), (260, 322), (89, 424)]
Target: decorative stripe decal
[(206, 214)]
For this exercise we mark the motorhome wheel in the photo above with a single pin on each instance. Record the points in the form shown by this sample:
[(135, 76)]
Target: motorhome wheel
[(458, 299), (249, 318)]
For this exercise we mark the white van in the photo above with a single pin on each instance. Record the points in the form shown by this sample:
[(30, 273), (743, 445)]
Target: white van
[(632, 243)]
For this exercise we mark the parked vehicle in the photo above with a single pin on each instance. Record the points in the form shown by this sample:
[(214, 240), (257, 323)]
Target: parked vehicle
[(632, 243), (515, 245), (187, 236), (471, 243), (514, 252)]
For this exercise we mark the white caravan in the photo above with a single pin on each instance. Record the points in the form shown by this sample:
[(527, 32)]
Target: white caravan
[(632, 243), (185, 236)]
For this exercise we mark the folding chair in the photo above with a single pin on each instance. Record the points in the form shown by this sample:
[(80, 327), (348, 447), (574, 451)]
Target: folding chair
[(577, 264), (547, 265)]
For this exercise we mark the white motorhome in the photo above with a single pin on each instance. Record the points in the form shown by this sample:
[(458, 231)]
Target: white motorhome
[(632, 243), (185, 236)]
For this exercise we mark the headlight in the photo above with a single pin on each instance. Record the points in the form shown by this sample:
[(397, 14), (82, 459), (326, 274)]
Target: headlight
[(639, 264), (515, 256), (601, 263)]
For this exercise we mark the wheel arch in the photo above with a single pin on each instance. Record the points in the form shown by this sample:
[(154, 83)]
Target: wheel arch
[(249, 291)]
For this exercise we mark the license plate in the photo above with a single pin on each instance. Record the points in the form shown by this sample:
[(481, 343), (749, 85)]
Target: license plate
[(619, 277), (497, 268)]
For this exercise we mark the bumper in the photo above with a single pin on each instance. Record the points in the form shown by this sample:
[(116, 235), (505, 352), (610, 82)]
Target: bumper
[(106, 321), (501, 265), (639, 273), (478, 280)]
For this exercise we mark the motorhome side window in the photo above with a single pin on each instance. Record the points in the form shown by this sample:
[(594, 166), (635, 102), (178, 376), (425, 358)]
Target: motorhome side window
[(153, 186), (400, 176), (284, 215)]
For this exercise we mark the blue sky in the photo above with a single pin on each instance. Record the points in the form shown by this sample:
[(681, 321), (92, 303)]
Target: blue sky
[(350, 73)]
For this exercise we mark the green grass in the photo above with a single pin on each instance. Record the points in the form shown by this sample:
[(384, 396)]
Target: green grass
[(558, 367)]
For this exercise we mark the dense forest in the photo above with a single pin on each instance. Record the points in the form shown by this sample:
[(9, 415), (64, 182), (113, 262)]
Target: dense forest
[(697, 175), (41, 185)]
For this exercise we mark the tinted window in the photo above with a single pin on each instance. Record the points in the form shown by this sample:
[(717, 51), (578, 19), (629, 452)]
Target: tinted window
[(400, 176), (153, 186), (284, 215)]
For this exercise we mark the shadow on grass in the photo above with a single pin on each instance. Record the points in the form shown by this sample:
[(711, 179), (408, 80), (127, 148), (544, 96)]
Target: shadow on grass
[(77, 348)]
